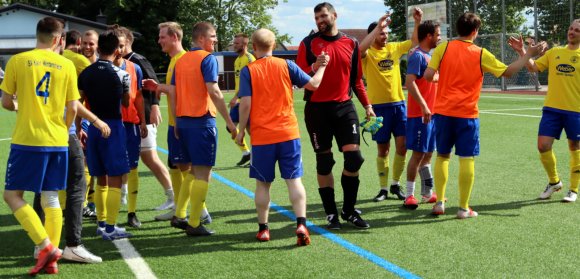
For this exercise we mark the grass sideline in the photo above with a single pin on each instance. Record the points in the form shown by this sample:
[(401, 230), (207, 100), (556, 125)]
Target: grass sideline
[(515, 235)]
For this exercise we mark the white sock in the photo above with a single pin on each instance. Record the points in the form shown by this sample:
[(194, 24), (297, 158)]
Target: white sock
[(410, 188)]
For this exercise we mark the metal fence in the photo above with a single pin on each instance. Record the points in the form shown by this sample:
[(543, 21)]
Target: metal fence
[(542, 20)]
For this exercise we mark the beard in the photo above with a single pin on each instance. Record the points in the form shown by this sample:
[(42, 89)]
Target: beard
[(328, 27)]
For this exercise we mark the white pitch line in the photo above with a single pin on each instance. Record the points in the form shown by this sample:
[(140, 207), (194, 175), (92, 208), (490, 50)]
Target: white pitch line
[(507, 97), (510, 109), (5, 139), (511, 114), (134, 260)]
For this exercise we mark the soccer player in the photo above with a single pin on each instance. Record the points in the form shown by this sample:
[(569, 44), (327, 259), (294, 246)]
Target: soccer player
[(461, 66), (106, 88), (561, 108), (194, 100), (170, 36), (244, 58), (72, 50), (420, 136), (135, 128), (268, 104), (72, 202), (381, 67), (89, 45), (330, 112), (153, 119), (45, 84)]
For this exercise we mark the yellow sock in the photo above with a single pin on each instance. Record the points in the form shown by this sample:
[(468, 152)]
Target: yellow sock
[(383, 171), (466, 177), (88, 180), (113, 205), (549, 162), (574, 170), (62, 199), (29, 220), (133, 190), (176, 180), (184, 194), (398, 166), (441, 174), (53, 224), (100, 201), (197, 197)]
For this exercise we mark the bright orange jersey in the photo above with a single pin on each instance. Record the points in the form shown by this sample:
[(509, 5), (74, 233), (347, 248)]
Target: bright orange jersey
[(130, 113), (461, 65), (191, 92), (272, 117)]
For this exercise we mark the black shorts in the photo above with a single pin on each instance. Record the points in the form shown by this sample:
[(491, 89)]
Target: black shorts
[(325, 120)]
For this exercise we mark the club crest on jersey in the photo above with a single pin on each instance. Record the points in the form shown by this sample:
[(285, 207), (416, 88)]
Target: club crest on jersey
[(386, 65), (574, 59), (565, 68)]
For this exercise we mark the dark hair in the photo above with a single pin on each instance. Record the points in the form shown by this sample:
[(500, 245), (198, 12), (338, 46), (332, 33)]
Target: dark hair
[(326, 5), (425, 28), (72, 36), (201, 29), (117, 30), (467, 23), (372, 27), (48, 28), (108, 42)]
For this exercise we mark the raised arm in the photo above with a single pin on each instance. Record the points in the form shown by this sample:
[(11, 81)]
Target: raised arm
[(366, 43)]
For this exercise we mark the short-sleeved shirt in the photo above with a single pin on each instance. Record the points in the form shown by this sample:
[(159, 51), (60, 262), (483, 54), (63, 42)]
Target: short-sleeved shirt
[(417, 64), (149, 98), (563, 67), (44, 82), (272, 114), (104, 84), (209, 68), (382, 71), (210, 73), (80, 61), (168, 80), (138, 71), (239, 64), (457, 95)]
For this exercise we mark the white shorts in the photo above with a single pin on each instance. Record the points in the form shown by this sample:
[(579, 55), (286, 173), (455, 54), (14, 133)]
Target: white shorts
[(150, 142)]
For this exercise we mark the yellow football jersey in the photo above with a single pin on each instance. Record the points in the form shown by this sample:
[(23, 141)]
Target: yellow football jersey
[(168, 78), (43, 82), (382, 70), (563, 67), (80, 61), (240, 63)]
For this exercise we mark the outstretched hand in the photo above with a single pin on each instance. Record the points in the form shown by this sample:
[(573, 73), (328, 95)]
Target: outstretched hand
[(417, 14), (516, 43)]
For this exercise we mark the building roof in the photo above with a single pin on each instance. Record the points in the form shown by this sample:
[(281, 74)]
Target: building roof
[(79, 20)]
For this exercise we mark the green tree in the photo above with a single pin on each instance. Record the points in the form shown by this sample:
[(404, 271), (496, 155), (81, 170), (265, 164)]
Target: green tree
[(231, 17)]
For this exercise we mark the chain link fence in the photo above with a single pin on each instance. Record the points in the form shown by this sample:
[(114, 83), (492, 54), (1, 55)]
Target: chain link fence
[(539, 20)]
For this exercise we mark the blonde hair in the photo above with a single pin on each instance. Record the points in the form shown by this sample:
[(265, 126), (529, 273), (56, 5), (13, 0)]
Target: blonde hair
[(173, 28), (264, 39)]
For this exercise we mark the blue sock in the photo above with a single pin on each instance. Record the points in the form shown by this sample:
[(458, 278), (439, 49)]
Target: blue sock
[(101, 224)]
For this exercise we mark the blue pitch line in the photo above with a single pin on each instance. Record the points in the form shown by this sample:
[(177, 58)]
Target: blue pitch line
[(332, 237)]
